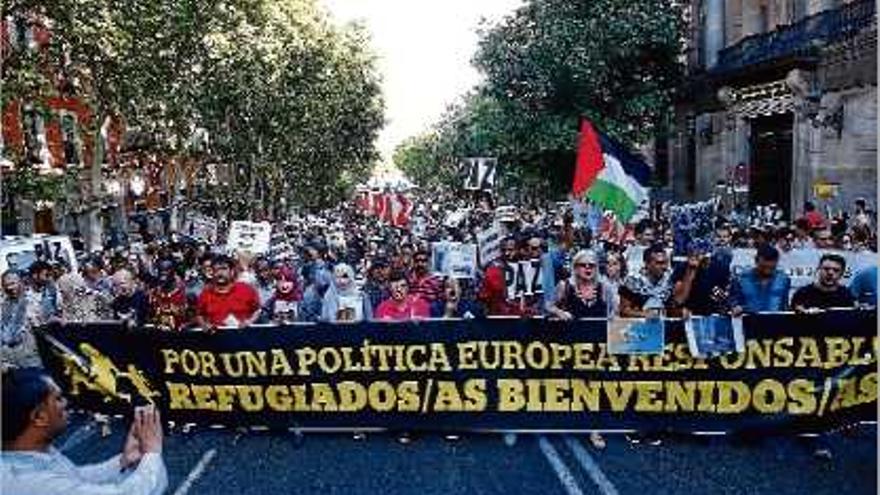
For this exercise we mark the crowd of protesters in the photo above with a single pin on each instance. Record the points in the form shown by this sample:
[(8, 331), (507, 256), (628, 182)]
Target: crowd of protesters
[(347, 266)]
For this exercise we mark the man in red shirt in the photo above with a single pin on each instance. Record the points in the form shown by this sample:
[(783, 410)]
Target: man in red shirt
[(493, 293), (227, 302), (402, 305)]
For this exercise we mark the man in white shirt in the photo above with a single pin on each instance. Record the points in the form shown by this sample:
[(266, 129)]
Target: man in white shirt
[(34, 415)]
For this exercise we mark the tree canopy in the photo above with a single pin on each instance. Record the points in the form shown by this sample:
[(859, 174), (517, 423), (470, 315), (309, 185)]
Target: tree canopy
[(288, 98), (550, 62)]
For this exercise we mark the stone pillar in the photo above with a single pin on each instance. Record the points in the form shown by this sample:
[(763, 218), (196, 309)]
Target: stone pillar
[(816, 6), (713, 31), (751, 15)]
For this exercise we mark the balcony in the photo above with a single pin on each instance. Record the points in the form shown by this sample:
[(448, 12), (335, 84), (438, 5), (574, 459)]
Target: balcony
[(798, 41)]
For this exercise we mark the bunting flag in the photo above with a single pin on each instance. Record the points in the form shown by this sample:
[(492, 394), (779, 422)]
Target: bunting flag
[(608, 174)]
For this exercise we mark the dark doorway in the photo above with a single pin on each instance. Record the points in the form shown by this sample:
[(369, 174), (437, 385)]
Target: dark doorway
[(770, 174)]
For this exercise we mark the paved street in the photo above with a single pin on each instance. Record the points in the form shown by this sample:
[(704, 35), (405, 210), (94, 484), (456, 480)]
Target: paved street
[(227, 462)]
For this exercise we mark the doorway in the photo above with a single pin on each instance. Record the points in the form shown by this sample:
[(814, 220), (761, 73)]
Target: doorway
[(771, 175)]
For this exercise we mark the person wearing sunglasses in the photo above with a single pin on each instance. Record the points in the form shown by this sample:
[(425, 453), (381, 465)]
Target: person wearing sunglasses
[(582, 295)]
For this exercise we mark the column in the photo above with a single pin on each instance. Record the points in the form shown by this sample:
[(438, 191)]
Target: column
[(751, 15), (714, 31)]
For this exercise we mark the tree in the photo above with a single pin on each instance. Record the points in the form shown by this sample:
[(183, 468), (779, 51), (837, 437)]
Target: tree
[(291, 100), (615, 62)]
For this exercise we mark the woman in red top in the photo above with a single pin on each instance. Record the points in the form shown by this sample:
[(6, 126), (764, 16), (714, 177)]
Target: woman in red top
[(402, 305), (226, 302)]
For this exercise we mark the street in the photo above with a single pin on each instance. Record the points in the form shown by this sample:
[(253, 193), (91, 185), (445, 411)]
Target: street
[(224, 461)]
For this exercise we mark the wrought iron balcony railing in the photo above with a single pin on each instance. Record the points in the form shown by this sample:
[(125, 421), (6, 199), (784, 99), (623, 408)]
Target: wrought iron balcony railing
[(801, 39)]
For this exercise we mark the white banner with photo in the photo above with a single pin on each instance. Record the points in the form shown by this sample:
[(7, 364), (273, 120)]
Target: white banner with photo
[(455, 259), (200, 227), (253, 237)]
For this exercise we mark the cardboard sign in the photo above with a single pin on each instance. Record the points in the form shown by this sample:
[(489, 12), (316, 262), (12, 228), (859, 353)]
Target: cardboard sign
[(454, 259), (200, 227), (489, 241), (524, 278), (253, 237), (480, 174)]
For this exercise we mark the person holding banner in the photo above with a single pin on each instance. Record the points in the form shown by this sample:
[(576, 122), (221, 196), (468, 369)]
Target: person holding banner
[(343, 301), (826, 292), (402, 306), (763, 288), (453, 305), (227, 302), (34, 416), (494, 294), (645, 293), (581, 295), (422, 282)]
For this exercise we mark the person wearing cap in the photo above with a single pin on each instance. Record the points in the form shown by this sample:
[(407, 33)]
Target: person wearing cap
[(227, 302), (581, 295)]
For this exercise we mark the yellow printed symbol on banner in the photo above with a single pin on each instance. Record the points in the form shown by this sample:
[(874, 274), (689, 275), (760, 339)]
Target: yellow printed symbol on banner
[(99, 374)]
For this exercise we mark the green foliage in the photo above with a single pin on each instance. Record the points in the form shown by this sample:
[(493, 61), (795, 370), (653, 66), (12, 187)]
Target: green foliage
[(615, 62), (279, 89)]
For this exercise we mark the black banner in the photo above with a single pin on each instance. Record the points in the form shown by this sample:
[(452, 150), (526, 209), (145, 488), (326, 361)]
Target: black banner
[(800, 372)]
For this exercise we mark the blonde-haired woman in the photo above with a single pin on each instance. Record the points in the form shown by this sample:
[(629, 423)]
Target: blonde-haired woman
[(582, 295)]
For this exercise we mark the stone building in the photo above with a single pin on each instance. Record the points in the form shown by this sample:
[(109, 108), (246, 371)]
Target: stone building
[(780, 104)]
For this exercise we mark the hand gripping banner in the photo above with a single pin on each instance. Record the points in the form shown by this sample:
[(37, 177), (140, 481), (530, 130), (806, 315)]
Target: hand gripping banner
[(806, 373)]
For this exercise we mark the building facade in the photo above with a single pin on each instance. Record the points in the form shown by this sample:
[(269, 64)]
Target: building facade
[(780, 104)]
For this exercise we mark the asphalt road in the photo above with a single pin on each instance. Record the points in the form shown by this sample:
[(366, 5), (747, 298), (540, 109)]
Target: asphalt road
[(230, 462)]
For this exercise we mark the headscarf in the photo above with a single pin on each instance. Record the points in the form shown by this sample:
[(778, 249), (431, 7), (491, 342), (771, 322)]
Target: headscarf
[(286, 288), (334, 293)]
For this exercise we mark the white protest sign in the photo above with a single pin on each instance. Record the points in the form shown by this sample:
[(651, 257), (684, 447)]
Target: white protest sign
[(200, 227), (801, 264), (480, 174), (249, 236), (455, 218), (523, 278), (489, 241), (454, 259)]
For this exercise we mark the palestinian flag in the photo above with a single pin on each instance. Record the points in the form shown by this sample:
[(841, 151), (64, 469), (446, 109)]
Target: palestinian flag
[(611, 176)]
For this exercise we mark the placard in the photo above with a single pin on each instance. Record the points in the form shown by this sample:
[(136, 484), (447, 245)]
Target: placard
[(454, 259), (524, 278), (253, 237), (489, 241)]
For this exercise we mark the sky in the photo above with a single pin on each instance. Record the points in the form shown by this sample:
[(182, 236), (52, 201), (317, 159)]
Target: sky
[(424, 49)]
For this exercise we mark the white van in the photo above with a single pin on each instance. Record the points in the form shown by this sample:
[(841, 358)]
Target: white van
[(20, 252)]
